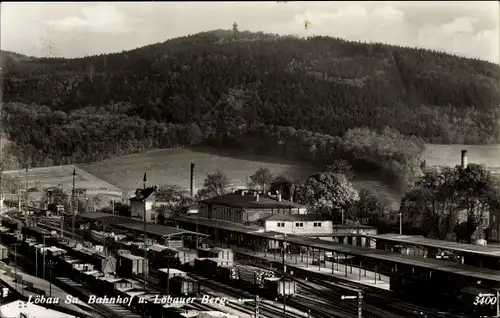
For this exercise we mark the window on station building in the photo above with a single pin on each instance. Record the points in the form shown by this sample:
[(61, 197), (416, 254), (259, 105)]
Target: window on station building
[(299, 224), (281, 224), (317, 224)]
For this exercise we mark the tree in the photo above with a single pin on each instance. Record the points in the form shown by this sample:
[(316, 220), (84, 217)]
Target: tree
[(262, 177), (56, 196), (478, 191), (431, 203), (11, 184), (327, 192), (443, 198), (371, 205), (341, 166), (215, 184), (284, 185), (172, 199)]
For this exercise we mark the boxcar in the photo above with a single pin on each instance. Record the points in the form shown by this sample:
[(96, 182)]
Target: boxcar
[(184, 286)]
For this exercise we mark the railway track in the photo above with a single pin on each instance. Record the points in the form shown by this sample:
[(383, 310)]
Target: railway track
[(373, 301), (265, 309)]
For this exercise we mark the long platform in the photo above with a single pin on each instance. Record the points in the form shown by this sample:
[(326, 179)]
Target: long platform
[(363, 252), (134, 225), (446, 245), (332, 269)]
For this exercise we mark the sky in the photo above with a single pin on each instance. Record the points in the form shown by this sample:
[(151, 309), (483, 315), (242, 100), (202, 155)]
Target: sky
[(76, 29)]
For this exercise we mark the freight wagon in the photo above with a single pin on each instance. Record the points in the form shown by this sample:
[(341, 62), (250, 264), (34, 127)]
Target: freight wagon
[(129, 265), (183, 286), (206, 266), (4, 253), (109, 285), (251, 278)]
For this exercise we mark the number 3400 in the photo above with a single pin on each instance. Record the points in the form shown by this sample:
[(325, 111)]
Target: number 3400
[(485, 299)]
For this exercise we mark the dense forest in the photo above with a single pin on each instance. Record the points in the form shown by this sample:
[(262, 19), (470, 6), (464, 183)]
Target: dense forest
[(316, 99)]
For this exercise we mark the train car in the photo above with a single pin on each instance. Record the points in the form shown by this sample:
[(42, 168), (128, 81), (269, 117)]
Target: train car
[(129, 265), (207, 267), (228, 274), (109, 285), (184, 286), (4, 253), (277, 287)]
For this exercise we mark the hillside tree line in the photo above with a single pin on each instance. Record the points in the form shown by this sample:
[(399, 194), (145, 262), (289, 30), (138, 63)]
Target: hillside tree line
[(318, 99)]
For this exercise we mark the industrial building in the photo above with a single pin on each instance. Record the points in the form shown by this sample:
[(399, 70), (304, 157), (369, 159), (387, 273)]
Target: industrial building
[(247, 206)]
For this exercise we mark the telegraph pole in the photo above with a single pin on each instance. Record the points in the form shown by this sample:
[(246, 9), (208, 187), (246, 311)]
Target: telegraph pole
[(1, 171), (257, 303), (284, 282), (26, 186), (145, 231), (359, 297), (400, 223), (73, 204)]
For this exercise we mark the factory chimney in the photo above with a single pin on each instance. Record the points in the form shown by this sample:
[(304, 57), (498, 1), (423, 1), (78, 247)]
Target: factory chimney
[(464, 159), (191, 184)]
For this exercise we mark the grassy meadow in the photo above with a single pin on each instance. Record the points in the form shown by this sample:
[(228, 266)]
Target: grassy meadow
[(63, 175), (172, 166)]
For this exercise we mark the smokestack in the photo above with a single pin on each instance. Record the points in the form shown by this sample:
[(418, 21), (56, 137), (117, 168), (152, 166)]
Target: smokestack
[(191, 184), (257, 197), (464, 159)]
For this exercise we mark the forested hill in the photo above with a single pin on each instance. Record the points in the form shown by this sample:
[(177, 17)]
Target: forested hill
[(220, 86)]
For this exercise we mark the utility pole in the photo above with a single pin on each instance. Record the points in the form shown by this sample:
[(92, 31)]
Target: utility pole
[(43, 251), (257, 303), (1, 171), (284, 276), (145, 231), (19, 200), (73, 204), (400, 223), (26, 198), (359, 297)]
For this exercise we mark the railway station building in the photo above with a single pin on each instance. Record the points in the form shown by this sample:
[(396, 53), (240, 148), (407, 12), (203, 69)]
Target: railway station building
[(247, 206)]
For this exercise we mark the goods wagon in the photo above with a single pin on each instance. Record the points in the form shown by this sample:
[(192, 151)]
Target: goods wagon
[(4, 253), (183, 286), (129, 265), (275, 286), (165, 274), (206, 266)]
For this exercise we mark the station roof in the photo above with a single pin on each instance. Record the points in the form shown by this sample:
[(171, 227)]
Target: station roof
[(246, 199), (378, 255), (452, 246), (298, 217), (133, 225)]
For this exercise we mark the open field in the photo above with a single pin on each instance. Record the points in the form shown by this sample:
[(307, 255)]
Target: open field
[(172, 166), (63, 175), (449, 155)]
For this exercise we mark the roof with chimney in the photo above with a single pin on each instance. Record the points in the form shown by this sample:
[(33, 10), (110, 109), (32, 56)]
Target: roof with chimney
[(144, 194), (251, 200), (299, 217)]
